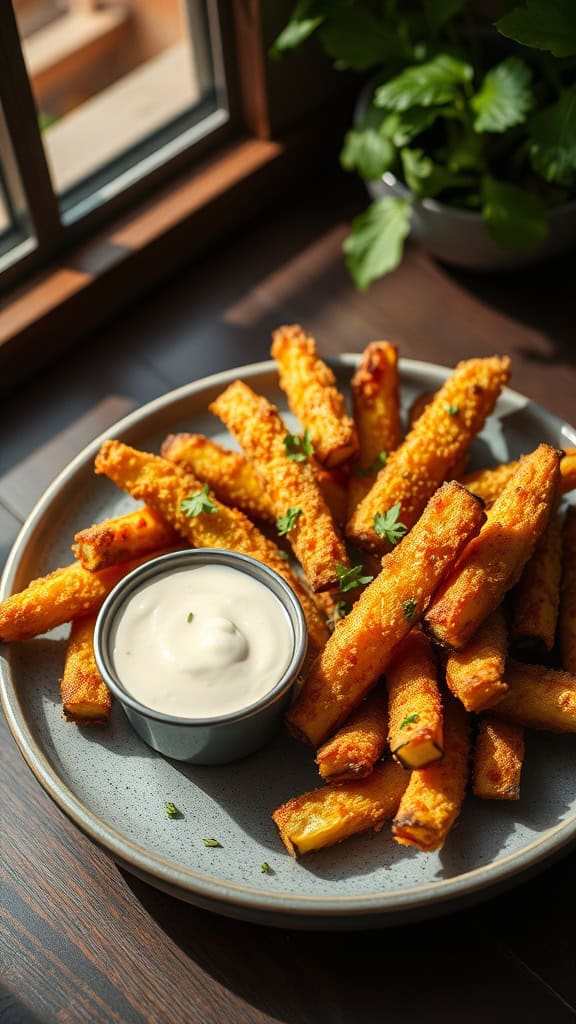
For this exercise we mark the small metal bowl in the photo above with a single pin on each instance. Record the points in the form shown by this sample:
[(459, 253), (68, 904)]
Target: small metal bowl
[(215, 740)]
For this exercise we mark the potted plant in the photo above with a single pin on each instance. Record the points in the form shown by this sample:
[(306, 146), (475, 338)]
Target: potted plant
[(466, 129)]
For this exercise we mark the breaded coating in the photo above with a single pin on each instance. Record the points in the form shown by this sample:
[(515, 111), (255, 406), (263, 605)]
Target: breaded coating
[(361, 646), (354, 750), (539, 698), (438, 441), (313, 396), (62, 596), (537, 596), (417, 406), (333, 484), (493, 561), (165, 486), (497, 760), (86, 699), (567, 618), (229, 474), (488, 484), (122, 538), (434, 795), (414, 703), (475, 674), (328, 815), (259, 430), (376, 407)]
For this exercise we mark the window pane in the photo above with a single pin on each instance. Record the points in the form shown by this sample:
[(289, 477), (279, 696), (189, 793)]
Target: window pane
[(119, 88), (15, 235)]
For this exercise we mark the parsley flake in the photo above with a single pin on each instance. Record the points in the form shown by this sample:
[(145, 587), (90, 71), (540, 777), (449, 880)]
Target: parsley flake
[(350, 578), (341, 610), (387, 525), (452, 410), (190, 616), (284, 555), (266, 869), (299, 448), (172, 811), (410, 719), (374, 467), (198, 502), (212, 842), (409, 608), (286, 523)]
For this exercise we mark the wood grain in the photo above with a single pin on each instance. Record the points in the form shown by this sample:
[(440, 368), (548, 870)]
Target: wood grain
[(82, 941)]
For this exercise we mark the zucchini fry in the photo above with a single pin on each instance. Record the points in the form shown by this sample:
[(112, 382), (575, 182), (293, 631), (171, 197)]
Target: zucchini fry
[(376, 406), (122, 538), (313, 397), (417, 406), (229, 474), (86, 699), (497, 760), (567, 624), (433, 798), (361, 645), (166, 488), (258, 428), (414, 703), (330, 814), (430, 452), (475, 674), (359, 744), (493, 562), (488, 484), (537, 596), (62, 596), (539, 698)]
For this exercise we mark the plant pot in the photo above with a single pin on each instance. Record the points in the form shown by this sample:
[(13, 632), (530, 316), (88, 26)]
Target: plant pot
[(460, 237)]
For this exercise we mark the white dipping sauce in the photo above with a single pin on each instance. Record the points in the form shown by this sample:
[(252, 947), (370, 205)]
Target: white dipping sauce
[(199, 643)]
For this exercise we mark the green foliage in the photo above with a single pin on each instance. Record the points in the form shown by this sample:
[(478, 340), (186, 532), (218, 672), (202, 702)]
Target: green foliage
[(544, 24), (553, 140), (496, 136), (374, 246), (505, 97), (515, 218), (425, 85)]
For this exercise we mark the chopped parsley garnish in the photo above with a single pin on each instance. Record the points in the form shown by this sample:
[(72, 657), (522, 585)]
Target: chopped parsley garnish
[(172, 811), (350, 578), (286, 523), (409, 608), (299, 448), (190, 616), (284, 555), (380, 460), (341, 610), (387, 525), (410, 719), (212, 842), (452, 410), (266, 869), (198, 502)]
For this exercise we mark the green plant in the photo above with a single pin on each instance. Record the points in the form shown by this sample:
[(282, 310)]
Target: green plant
[(479, 116)]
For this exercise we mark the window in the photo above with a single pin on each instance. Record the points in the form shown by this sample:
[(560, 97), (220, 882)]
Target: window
[(107, 94), (15, 234)]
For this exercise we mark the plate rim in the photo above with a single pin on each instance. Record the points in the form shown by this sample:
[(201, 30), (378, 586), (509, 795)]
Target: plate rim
[(230, 897)]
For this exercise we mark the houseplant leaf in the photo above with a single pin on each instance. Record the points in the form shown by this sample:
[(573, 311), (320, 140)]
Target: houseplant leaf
[(426, 178), (425, 85), (374, 246), (504, 98), (438, 12), (356, 39), (306, 17), (544, 24), (553, 140), (367, 151), (515, 218)]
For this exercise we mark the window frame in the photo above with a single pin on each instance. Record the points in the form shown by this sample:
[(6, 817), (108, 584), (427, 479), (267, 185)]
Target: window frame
[(104, 261)]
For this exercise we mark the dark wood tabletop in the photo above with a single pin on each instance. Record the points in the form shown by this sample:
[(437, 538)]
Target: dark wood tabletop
[(82, 940)]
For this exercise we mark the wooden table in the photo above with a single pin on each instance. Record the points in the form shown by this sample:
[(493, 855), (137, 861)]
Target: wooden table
[(82, 941)]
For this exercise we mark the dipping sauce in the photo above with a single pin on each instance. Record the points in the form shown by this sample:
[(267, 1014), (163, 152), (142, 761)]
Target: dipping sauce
[(199, 643)]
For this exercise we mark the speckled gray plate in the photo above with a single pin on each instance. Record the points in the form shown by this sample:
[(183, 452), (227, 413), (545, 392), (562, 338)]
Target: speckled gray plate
[(114, 787)]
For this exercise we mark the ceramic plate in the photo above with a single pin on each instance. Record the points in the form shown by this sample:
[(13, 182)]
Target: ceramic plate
[(114, 787)]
